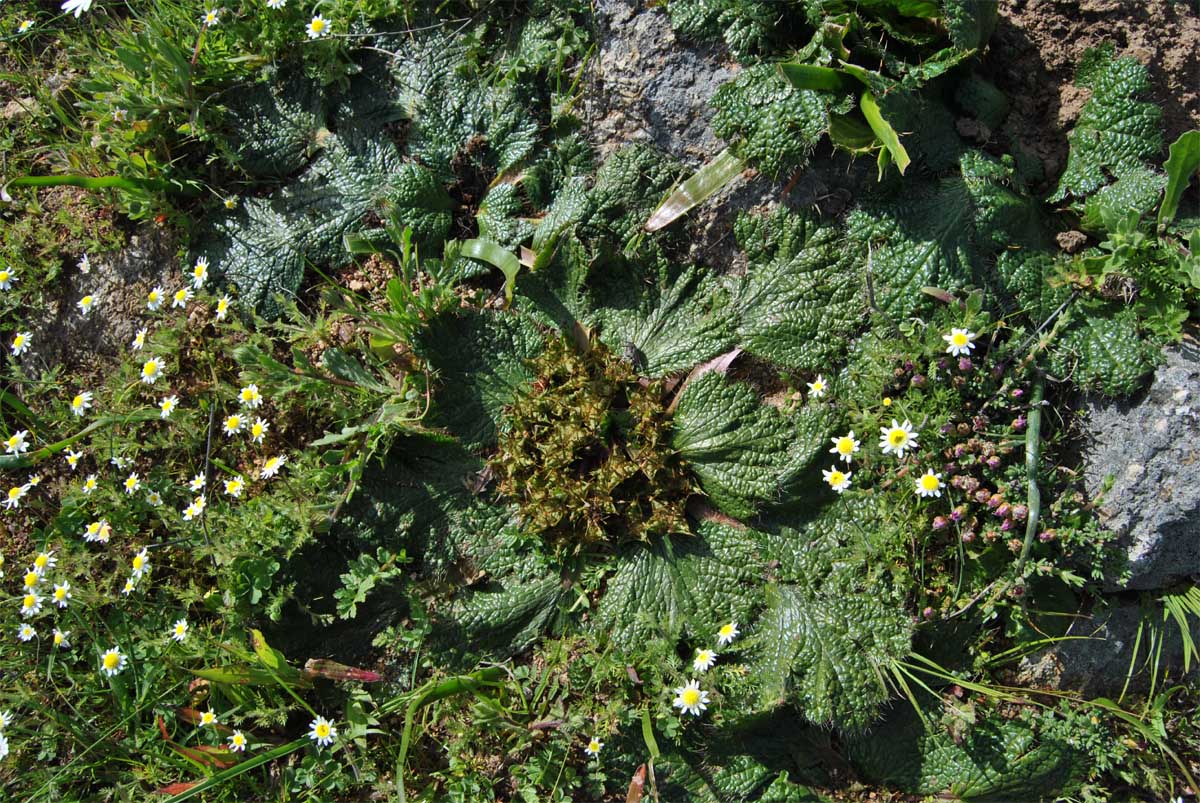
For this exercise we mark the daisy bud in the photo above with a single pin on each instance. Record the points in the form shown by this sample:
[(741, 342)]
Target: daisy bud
[(1002, 510), (993, 462), (995, 500), (968, 536), (1006, 525)]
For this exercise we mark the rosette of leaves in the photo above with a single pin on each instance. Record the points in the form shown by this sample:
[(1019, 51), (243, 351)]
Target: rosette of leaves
[(596, 457), (416, 140)]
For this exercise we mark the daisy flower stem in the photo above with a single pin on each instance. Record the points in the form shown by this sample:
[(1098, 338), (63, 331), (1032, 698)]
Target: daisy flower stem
[(1033, 446)]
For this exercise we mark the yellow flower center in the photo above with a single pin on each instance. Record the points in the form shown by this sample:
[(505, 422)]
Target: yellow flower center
[(727, 630), (845, 445), (257, 430), (930, 483), (594, 746), (959, 339), (690, 697), (887, 401), (233, 422), (29, 601), (77, 401), (836, 478), (41, 560), (180, 629), (4, 275), (322, 730), (150, 367), (86, 301), (318, 25), (818, 386), (897, 437), (31, 579), (138, 562), (111, 659), (238, 740), (19, 341), (60, 593), (58, 638)]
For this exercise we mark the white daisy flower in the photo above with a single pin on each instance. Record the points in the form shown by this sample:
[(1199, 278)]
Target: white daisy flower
[(817, 387), (167, 405), (132, 484), (211, 17), (322, 731), (845, 446), (154, 299), (87, 303), (76, 7), (199, 271), (62, 594), (237, 742), (152, 369), (26, 632), (929, 484), (140, 564), (898, 438), (17, 443), (139, 340), (235, 486), (593, 747), (73, 459), (112, 662), (838, 480), (222, 307), (179, 630), (7, 277), (62, 638), (250, 397), (81, 403), (703, 660), (318, 27), (960, 342), (233, 424), (271, 466), (727, 634), (690, 698), (258, 430), (182, 296), (20, 343)]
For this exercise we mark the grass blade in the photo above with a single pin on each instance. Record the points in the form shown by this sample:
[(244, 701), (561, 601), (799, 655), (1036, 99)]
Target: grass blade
[(703, 184), (883, 129)]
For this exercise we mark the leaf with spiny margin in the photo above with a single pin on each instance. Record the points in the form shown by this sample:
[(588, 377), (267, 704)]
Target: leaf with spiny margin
[(1115, 133), (969, 22), (675, 320), (736, 446), (481, 359), (767, 122), (1102, 349), (499, 620), (799, 307), (276, 124), (680, 586), (997, 759), (935, 235)]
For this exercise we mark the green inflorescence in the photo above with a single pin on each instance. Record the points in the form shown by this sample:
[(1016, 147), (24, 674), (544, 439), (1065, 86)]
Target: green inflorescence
[(587, 454)]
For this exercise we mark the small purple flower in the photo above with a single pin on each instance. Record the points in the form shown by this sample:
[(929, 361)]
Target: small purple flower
[(1002, 510), (1006, 525), (958, 513), (927, 613), (959, 450), (968, 536), (918, 381), (982, 496), (994, 500), (1046, 536), (1019, 512), (1019, 423), (1017, 393), (965, 364), (939, 522), (993, 462), (946, 428)]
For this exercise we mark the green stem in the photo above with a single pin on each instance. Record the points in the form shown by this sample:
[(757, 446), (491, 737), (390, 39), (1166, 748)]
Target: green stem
[(14, 461), (1033, 446), (86, 182)]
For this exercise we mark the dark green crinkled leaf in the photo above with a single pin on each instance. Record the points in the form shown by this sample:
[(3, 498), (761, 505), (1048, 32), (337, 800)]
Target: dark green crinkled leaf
[(680, 585), (500, 619), (500, 217), (1116, 133), (939, 235), (480, 360), (1102, 350), (277, 123), (997, 760), (674, 320), (629, 185), (1135, 193), (736, 446), (256, 248), (767, 122), (799, 302)]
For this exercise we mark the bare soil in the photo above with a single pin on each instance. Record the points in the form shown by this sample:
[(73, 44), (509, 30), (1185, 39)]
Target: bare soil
[(1038, 43)]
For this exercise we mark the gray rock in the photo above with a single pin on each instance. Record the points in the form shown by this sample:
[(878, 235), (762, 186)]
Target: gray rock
[(1099, 663), (120, 281), (1149, 448), (646, 86)]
